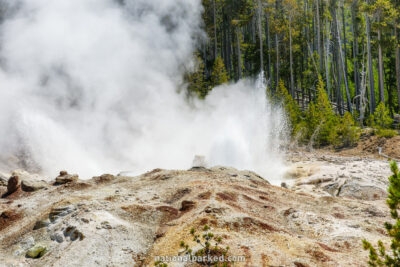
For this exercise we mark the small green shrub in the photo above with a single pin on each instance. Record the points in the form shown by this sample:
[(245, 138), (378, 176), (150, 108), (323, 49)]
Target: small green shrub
[(387, 133), (160, 264), (349, 133), (379, 257), (210, 247), (382, 119), (219, 74)]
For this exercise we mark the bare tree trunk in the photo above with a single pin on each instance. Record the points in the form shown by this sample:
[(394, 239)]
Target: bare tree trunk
[(349, 107), (336, 56), (397, 66), (239, 54), (260, 35), (327, 44), (215, 31), (370, 67), (344, 39), (291, 57), (229, 48), (277, 60), (380, 68), (267, 39), (319, 46), (355, 53)]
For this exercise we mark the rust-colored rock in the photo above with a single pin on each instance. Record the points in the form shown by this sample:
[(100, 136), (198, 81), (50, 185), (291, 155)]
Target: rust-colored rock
[(8, 217), (13, 184), (187, 205)]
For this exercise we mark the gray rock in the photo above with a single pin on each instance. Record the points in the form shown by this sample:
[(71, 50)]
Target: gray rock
[(65, 178), (57, 237), (73, 233), (56, 213), (334, 188), (31, 185), (363, 192), (106, 225), (41, 224)]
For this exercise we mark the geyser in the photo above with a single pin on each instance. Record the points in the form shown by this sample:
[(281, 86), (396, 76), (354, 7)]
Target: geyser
[(91, 86)]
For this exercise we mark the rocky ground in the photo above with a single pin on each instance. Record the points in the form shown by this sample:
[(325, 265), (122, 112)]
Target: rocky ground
[(331, 202)]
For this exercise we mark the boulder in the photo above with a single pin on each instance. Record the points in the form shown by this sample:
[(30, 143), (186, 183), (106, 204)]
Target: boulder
[(65, 178), (31, 185), (13, 184), (363, 192)]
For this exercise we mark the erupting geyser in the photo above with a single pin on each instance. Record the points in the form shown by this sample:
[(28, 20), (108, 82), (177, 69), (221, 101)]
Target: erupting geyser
[(91, 86)]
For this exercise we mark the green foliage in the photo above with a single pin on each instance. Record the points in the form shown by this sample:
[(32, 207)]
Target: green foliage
[(321, 120), (160, 264), (195, 80), (210, 247), (381, 117), (387, 133), (379, 257), (291, 107), (219, 75), (349, 133)]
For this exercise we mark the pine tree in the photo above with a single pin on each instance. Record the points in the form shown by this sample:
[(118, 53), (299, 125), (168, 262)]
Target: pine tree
[(196, 82), (291, 107), (321, 120), (381, 257), (348, 132), (219, 75), (382, 118)]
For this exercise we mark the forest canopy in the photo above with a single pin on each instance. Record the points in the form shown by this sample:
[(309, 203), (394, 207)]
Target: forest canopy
[(350, 48)]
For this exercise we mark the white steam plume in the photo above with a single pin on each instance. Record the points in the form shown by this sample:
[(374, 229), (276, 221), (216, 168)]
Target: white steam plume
[(90, 86)]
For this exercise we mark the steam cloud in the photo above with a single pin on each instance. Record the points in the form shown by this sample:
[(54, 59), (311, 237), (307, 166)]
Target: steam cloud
[(90, 86)]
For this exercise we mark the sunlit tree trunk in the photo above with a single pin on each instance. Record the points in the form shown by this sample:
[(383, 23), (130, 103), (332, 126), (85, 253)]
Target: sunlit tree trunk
[(291, 58), (260, 35), (380, 68), (239, 54), (370, 67), (355, 53), (341, 60), (397, 66), (215, 31)]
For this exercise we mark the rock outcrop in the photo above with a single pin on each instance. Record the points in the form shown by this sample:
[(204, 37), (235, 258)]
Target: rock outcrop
[(65, 178), (13, 184), (127, 221)]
